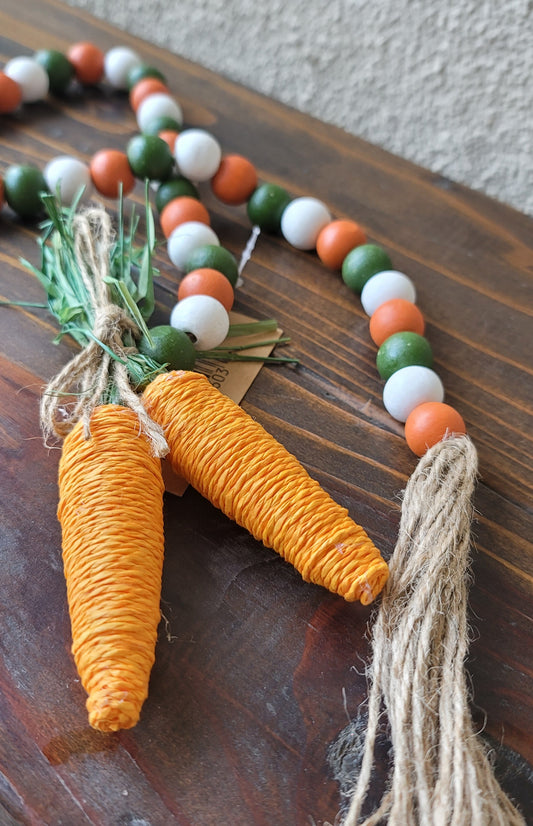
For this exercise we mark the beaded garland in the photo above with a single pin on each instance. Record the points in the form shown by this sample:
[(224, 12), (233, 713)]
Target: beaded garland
[(177, 160)]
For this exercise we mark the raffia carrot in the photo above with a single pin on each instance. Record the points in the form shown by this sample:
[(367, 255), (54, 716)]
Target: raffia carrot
[(111, 513), (232, 461)]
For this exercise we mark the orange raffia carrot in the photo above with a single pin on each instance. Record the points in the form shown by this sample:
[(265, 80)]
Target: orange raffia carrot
[(232, 461), (111, 513)]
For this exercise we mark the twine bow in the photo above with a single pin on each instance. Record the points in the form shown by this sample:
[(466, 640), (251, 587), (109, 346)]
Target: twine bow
[(102, 364)]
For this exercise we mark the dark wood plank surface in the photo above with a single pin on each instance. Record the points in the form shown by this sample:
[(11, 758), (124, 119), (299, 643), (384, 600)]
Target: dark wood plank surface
[(259, 672)]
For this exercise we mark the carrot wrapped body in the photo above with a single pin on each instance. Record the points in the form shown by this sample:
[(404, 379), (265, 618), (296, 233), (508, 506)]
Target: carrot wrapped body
[(232, 461), (111, 513)]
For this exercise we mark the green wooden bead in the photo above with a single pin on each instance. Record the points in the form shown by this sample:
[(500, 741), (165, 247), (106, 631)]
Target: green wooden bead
[(149, 157), (362, 263), (157, 125), (403, 350), (174, 187), (23, 186), (143, 71), (216, 258), (169, 346), (266, 206), (58, 67)]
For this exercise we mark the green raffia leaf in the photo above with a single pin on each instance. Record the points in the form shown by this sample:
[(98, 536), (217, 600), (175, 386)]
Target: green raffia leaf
[(128, 301), (23, 304), (247, 328), (146, 301), (131, 277)]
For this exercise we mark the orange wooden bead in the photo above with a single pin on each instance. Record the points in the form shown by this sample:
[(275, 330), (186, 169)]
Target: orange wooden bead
[(430, 422), (179, 211), (10, 94), (169, 136), (88, 62), (395, 316), (145, 87), (336, 240), (206, 281), (109, 168), (235, 180)]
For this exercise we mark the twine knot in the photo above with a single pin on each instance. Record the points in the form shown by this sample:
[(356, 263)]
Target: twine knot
[(110, 324), (100, 371)]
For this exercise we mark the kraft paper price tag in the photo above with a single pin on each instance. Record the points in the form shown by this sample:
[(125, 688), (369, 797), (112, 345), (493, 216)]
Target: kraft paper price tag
[(233, 378)]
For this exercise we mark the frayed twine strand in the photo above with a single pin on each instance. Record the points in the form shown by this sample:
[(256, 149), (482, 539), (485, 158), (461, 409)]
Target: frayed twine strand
[(440, 773)]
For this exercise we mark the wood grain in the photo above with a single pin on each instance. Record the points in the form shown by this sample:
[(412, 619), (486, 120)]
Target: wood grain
[(259, 671)]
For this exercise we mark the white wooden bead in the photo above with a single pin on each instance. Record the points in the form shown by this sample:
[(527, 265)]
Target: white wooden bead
[(385, 286), (67, 175), (204, 318), (158, 105), (409, 387), (197, 154), (186, 238), (31, 77), (118, 63), (302, 221)]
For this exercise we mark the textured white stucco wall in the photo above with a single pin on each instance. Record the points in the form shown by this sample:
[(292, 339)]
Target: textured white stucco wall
[(444, 83)]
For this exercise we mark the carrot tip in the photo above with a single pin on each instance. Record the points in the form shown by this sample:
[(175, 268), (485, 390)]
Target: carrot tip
[(113, 711)]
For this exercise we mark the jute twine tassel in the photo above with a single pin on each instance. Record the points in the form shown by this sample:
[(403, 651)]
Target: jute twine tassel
[(441, 775), (87, 376)]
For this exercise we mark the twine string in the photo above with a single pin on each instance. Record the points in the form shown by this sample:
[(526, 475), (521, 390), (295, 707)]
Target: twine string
[(247, 253), (88, 376), (441, 774)]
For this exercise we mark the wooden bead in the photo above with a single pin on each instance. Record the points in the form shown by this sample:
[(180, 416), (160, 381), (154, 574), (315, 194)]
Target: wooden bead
[(401, 350), (170, 346), (409, 387), (235, 180), (203, 318), (58, 67), (67, 175), (180, 211), (10, 94), (109, 169), (383, 287), (143, 71), (266, 206), (149, 157), (186, 238), (206, 281), (175, 187), (118, 63), (23, 185), (302, 221), (88, 62), (362, 263), (31, 77), (169, 136), (163, 122), (145, 88), (431, 422), (155, 106), (395, 316), (214, 257), (197, 154), (336, 240)]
